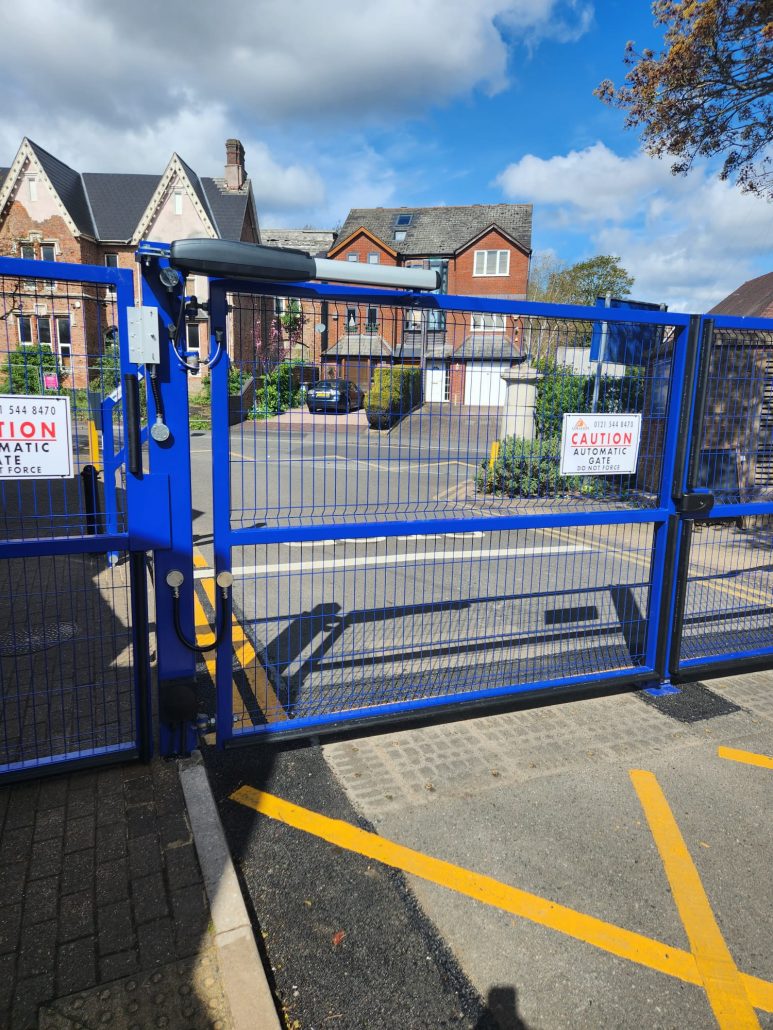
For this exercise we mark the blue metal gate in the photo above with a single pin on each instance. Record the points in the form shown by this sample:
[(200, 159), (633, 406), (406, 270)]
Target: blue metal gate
[(723, 617), (443, 562), (74, 661)]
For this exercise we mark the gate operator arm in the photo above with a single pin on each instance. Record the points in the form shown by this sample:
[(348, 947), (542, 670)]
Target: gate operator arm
[(233, 260)]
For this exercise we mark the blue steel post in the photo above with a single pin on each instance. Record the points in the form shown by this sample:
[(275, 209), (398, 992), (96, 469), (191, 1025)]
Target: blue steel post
[(138, 575), (675, 448), (221, 503), (171, 459)]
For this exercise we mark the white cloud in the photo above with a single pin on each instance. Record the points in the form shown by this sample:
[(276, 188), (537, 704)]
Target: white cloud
[(133, 70), (688, 241)]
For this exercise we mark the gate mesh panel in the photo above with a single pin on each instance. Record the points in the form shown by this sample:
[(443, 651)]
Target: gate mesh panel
[(290, 467), (343, 626), (60, 338), (729, 598), (66, 676)]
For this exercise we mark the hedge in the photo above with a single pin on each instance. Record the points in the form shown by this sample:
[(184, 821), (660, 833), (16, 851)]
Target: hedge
[(395, 388), (560, 391)]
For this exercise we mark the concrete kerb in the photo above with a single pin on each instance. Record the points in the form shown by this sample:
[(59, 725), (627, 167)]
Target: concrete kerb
[(244, 980)]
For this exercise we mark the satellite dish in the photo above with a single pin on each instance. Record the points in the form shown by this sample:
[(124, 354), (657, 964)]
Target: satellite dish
[(320, 327)]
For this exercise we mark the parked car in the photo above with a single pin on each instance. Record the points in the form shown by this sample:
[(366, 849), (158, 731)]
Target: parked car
[(334, 395)]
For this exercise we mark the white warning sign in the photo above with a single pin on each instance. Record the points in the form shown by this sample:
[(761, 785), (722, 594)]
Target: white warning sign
[(35, 438), (596, 445)]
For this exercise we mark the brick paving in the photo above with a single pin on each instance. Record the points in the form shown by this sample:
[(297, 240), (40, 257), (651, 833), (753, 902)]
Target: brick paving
[(99, 880)]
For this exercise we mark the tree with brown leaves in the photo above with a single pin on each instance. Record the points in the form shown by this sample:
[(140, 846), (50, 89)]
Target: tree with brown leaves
[(710, 90)]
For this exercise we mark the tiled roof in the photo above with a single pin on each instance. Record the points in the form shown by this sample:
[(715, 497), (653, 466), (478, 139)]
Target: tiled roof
[(316, 242), (754, 299), (109, 205), (363, 344), (488, 347), (69, 185), (437, 231), (118, 201), (228, 207)]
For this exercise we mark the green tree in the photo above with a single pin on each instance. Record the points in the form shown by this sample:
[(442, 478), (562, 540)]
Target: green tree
[(582, 282), (708, 91)]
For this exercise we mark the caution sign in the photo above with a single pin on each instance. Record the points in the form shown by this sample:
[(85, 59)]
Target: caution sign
[(35, 438), (600, 445)]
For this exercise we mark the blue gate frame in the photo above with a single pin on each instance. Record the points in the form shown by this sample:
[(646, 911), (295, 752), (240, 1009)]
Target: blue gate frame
[(61, 708), (677, 502)]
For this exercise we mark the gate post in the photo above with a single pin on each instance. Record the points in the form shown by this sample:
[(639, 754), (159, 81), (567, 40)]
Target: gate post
[(170, 458), (667, 562)]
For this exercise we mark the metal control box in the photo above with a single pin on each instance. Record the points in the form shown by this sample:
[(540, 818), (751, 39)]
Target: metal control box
[(144, 347)]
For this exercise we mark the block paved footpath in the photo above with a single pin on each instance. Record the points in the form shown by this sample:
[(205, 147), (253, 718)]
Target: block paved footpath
[(104, 917)]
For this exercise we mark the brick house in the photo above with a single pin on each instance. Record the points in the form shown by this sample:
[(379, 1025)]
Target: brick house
[(49, 211), (480, 250)]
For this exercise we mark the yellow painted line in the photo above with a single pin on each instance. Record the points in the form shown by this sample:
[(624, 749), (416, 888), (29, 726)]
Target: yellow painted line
[(260, 685), (748, 757), (718, 971), (606, 936), (744, 593)]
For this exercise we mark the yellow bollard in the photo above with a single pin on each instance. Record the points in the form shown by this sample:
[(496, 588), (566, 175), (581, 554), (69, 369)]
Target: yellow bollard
[(494, 455), (94, 455)]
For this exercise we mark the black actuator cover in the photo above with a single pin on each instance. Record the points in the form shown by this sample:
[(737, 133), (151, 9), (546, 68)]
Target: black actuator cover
[(233, 260)]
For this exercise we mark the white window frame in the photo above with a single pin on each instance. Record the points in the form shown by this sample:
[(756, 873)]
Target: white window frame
[(32, 184), (482, 259), (53, 248), (178, 202), (45, 343), (352, 256), (23, 246), (374, 258), (58, 319), (497, 322)]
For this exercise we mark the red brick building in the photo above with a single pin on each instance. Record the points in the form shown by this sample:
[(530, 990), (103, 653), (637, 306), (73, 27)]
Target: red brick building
[(480, 251), (51, 212)]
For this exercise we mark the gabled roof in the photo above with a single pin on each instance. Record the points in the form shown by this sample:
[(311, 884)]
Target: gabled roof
[(488, 347), (437, 231), (754, 299), (343, 241), (109, 206)]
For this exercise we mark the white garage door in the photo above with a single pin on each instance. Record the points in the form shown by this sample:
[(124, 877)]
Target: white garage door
[(484, 385)]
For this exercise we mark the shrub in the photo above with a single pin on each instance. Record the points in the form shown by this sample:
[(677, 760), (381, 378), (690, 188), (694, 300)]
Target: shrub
[(395, 388), (23, 370), (525, 468), (105, 371), (277, 391), (560, 391)]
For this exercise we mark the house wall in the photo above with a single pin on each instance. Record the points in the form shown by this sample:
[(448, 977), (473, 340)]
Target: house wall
[(362, 245), (461, 280)]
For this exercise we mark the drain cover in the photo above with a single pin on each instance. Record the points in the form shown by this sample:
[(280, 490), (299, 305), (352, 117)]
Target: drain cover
[(28, 641)]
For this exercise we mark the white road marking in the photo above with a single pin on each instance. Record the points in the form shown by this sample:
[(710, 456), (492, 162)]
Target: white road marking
[(424, 557)]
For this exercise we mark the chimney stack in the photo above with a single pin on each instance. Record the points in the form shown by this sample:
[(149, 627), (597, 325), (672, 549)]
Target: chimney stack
[(235, 174)]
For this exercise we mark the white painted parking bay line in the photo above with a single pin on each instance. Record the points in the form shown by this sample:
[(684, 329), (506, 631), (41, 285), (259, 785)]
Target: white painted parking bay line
[(328, 565)]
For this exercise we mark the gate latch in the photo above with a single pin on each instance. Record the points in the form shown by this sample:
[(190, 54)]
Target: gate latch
[(694, 505)]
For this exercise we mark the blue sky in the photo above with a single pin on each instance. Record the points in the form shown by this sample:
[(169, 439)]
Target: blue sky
[(387, 102)]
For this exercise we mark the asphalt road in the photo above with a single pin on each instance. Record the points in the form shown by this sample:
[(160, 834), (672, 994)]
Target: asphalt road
[(552, 805)]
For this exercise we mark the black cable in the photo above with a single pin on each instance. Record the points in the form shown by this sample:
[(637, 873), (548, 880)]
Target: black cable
[(154, 389), (197, 648)]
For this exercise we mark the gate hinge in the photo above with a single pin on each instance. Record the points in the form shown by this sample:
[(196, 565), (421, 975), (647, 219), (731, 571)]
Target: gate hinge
[(694, 505)]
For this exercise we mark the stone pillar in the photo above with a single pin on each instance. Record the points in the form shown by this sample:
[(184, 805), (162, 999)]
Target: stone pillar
[(520, 403)]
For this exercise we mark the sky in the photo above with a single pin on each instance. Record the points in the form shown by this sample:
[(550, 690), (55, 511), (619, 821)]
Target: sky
[(364, 103)]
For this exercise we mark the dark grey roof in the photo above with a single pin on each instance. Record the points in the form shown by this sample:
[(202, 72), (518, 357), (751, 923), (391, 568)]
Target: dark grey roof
[(118, 201), (362, 344), (228, 207), (436, 346), (3, 173), (69, 185), (440, 230), (488, 347), (754, 299), (313, 241)]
